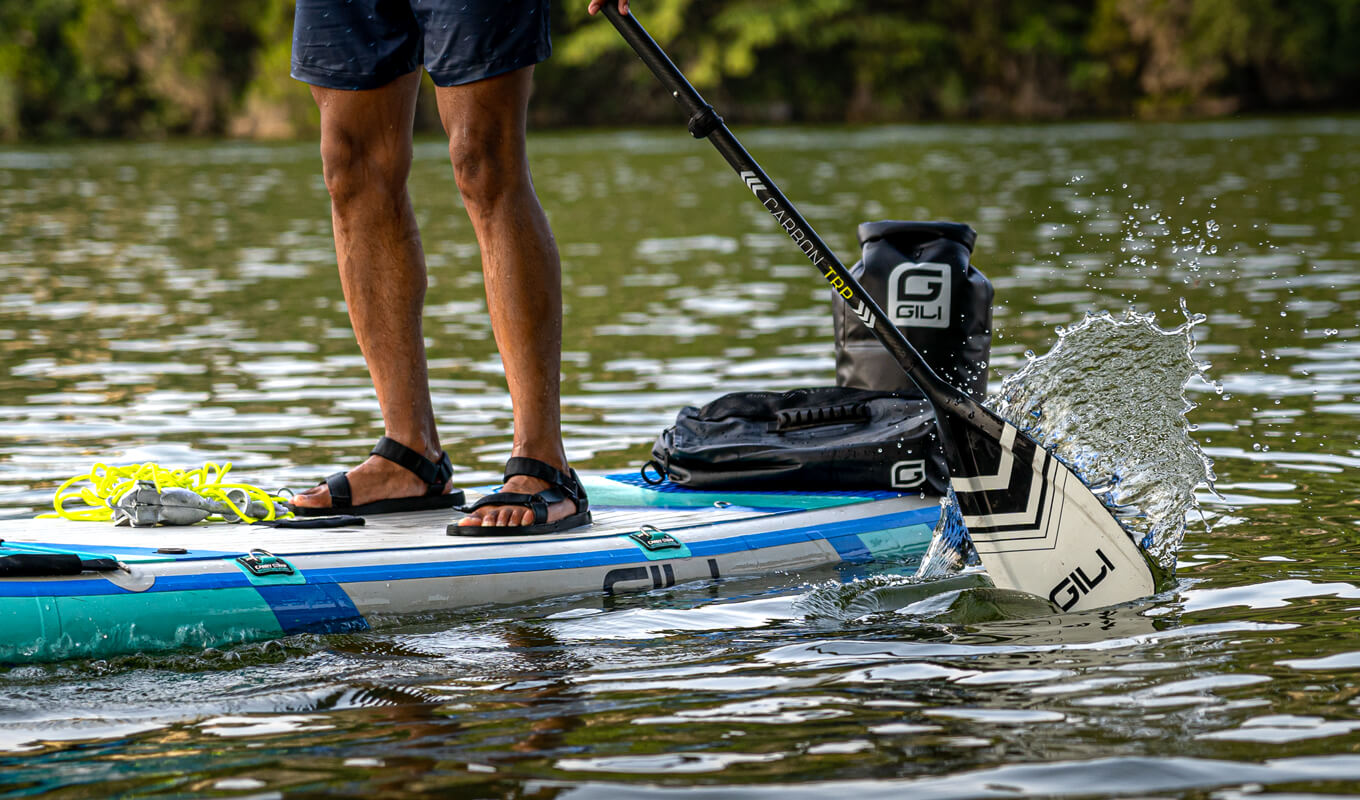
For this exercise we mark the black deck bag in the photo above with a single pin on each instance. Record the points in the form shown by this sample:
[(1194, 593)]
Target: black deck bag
[(824, 439), (920, 275)]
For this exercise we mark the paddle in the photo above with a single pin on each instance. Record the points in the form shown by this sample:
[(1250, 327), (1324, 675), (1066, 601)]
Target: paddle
[(1035, 525)]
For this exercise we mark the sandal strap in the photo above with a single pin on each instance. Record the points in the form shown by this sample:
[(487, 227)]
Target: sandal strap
[(535, 502), (435, 474), (562, 486), (532, 467), (338, 484)]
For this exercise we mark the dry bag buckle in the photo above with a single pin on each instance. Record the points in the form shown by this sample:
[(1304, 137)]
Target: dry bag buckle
[(263, 562), (654, 539)]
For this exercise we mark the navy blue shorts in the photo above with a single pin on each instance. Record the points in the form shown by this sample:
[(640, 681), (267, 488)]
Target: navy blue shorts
[(364, 44)]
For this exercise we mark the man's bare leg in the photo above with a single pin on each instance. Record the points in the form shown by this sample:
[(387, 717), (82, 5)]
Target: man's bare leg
[(485, 122), (366, 157)]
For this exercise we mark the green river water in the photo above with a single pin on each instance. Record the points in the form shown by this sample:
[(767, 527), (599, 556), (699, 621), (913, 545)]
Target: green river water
[(177, 302)]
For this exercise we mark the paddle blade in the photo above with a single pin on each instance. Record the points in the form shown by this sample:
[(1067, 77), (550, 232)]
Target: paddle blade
[(1036, 526)]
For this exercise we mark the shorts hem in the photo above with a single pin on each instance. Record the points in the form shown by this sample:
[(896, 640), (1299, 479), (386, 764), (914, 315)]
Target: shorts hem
[(328, 79), (479, 72)]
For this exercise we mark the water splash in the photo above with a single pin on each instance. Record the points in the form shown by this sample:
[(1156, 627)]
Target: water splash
[(950, 548), (1109, 400), (941, 575), (835, 603)]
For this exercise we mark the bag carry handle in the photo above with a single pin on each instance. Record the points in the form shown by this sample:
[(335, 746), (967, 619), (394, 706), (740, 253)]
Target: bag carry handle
[(790, 419)]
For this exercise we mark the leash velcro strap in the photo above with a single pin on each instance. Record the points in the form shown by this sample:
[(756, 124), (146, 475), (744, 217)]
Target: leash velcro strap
[(311, 523), (40, 565), (435, 475), (703, 122)]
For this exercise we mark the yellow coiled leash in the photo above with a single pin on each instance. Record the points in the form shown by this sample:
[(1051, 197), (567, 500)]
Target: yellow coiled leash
[(106, 484)]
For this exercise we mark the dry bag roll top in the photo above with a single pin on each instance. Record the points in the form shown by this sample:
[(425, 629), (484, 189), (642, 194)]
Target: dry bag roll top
[(920, 275)]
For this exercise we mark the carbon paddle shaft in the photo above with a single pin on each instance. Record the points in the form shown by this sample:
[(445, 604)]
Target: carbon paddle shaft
[(704, 123)]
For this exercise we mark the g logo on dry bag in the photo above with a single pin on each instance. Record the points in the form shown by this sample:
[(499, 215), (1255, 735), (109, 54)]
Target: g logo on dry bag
[(919, 295)]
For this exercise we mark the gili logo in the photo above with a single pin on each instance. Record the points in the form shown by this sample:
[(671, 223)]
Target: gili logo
[(919, 295), (908, 474)]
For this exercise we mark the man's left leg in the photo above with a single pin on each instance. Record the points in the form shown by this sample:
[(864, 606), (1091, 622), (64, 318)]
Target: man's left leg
[(485, 121)]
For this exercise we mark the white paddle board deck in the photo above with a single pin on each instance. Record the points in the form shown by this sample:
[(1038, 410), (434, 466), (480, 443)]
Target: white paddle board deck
[(199, 586)]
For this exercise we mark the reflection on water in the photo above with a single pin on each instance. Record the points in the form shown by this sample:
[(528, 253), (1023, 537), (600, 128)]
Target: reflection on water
[(177, 303)]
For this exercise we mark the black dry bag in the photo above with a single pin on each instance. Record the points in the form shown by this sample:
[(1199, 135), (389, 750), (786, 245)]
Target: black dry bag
[(920, 275)]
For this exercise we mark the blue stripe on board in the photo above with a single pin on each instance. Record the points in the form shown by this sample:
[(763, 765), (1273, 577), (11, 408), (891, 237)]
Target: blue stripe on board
[(666, 487), (833, 532), (321, 607), (850, 548)]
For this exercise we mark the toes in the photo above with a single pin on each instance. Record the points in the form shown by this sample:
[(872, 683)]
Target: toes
[(314, 497), (511, 516), (494, 517), (499, 517)]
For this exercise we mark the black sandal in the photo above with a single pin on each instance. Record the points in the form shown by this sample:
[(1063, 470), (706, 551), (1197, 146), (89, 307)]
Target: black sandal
[(562, 487), (435, 474)]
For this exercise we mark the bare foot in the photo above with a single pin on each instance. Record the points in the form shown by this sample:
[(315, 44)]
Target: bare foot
[(375, 479), (512, 516)]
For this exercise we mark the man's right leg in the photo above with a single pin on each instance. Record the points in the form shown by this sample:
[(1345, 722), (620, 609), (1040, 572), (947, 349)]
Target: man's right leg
[(366, 157)]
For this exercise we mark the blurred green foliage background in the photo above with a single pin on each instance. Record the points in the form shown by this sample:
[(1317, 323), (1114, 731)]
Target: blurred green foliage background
[(148, 68)]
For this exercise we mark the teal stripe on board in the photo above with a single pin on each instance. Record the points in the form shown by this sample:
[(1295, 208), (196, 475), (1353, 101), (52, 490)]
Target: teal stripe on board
[(21, 548), (604, 492), (46, 629), (29, 624), (84, 555), (898, 542)]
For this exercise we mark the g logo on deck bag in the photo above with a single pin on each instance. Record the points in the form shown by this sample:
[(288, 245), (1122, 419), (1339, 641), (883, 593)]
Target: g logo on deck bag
[(908, 474), (919, 295)]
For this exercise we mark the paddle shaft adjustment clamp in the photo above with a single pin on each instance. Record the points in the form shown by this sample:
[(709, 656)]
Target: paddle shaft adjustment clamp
[(704, 121)]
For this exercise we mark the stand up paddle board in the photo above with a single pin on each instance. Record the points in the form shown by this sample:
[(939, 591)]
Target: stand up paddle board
[(129, 590)]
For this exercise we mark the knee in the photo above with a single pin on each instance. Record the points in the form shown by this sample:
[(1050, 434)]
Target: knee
[(488, 164), (354, 165)]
